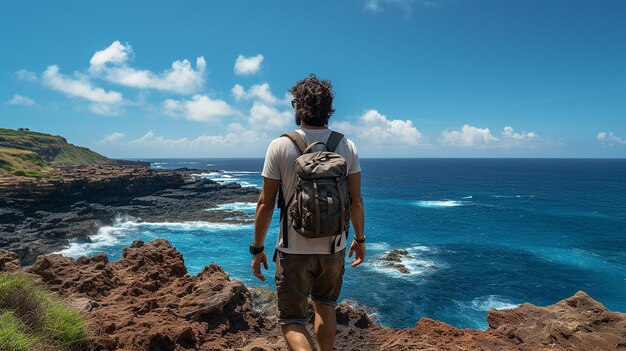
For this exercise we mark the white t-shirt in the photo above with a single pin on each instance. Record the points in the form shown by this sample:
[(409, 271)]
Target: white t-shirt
[(279, 165)]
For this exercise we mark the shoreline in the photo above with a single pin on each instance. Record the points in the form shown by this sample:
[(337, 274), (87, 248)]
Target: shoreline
[(70, 204), (147, 299)]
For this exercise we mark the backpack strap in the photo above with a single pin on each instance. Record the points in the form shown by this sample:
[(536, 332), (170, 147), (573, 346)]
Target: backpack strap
[(296, 139), (333, 141), (282, 205)]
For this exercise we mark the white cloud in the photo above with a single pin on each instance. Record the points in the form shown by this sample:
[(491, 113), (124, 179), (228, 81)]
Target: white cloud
[(266, 117), (116, 53), (468, 136), (507, 132), (248, 65), (609, 138), (21, 100), (78, 87), (375, 128), (112, 138), (258, 92), (103, 102), (181, 78), (26, 75), (112, 65), (200, 108), (234, 142), (510, 138), (406, 6)]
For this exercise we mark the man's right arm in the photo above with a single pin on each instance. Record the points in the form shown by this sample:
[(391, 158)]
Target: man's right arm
[(262, 219), (357, 217)]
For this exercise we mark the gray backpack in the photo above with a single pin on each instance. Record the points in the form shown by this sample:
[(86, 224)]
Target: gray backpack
[(320, 203)]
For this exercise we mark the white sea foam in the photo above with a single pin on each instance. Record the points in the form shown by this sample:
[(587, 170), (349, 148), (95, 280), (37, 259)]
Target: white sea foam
[(570, 256), (241, 172), (377, 246), (126, 225), (191, 226), (468, 197), (485, 303), (106, 236), (513, 196), (235, 206), (420, 248), (439, 203), (418, 262)]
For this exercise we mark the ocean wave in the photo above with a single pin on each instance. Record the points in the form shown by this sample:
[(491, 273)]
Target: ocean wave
[(486, 303), (468, 197), (439, 203), (241, 172), (418, 262), (190, 226), (106, 236), (377, 246), (124, 226), (247, 207), (570, 256), (513, 196)]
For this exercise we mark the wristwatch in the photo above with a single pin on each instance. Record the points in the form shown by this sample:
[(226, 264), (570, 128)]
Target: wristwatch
[(256, 250), (359, 241)]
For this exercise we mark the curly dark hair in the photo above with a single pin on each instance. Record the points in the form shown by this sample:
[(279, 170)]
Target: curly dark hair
[(313, 101)]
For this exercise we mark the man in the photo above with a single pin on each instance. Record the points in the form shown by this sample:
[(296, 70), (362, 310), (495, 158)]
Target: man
[(307, 266)]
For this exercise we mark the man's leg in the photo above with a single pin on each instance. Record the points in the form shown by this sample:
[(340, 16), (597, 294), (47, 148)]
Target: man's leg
[(293, 285), (297, 337), (326, 289), (325, 326)]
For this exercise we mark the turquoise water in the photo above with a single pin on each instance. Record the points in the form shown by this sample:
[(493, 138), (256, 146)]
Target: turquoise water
[(481, 233)]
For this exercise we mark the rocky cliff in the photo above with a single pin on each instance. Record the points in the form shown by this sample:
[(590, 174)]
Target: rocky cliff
[(148, 301), (40, 216)]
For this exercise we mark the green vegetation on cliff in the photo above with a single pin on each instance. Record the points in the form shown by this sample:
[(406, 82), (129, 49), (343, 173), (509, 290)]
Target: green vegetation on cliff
[(32, 319), (27, 153)]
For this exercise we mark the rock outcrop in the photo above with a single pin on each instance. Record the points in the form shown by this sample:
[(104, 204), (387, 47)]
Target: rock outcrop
[(148, 301), (39, 216), (393, 260)]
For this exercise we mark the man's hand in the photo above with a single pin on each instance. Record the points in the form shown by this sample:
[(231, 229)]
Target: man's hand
[(359, 250), (256, 265)]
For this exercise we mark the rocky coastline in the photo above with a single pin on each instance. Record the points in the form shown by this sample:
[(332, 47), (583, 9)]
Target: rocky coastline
[(148, 301), (39, 216)]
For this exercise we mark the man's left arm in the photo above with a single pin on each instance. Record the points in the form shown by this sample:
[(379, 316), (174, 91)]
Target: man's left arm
[(263, 218)]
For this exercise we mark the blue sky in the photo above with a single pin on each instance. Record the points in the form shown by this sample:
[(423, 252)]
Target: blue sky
[(438, 78)]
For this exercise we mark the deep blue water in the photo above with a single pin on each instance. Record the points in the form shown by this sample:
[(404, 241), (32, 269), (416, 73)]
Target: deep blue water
[(482, 233)]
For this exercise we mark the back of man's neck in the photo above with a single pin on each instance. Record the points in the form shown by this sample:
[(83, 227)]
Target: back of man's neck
[(306, 126)]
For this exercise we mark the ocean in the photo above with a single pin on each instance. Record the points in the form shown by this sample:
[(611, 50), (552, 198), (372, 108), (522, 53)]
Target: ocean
[(480, 234)]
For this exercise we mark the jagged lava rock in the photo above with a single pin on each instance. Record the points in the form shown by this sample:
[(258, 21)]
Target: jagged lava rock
[(9, 261), (148, 301)]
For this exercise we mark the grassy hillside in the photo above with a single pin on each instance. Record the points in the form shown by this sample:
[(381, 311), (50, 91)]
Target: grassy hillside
[(29, 153), (32, 319)]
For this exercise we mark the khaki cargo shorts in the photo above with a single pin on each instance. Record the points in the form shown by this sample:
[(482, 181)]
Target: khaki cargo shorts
[(298, 276)]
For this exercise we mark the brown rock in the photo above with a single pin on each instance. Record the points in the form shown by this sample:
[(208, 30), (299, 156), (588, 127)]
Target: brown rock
[(147, 301), (9, 261)]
